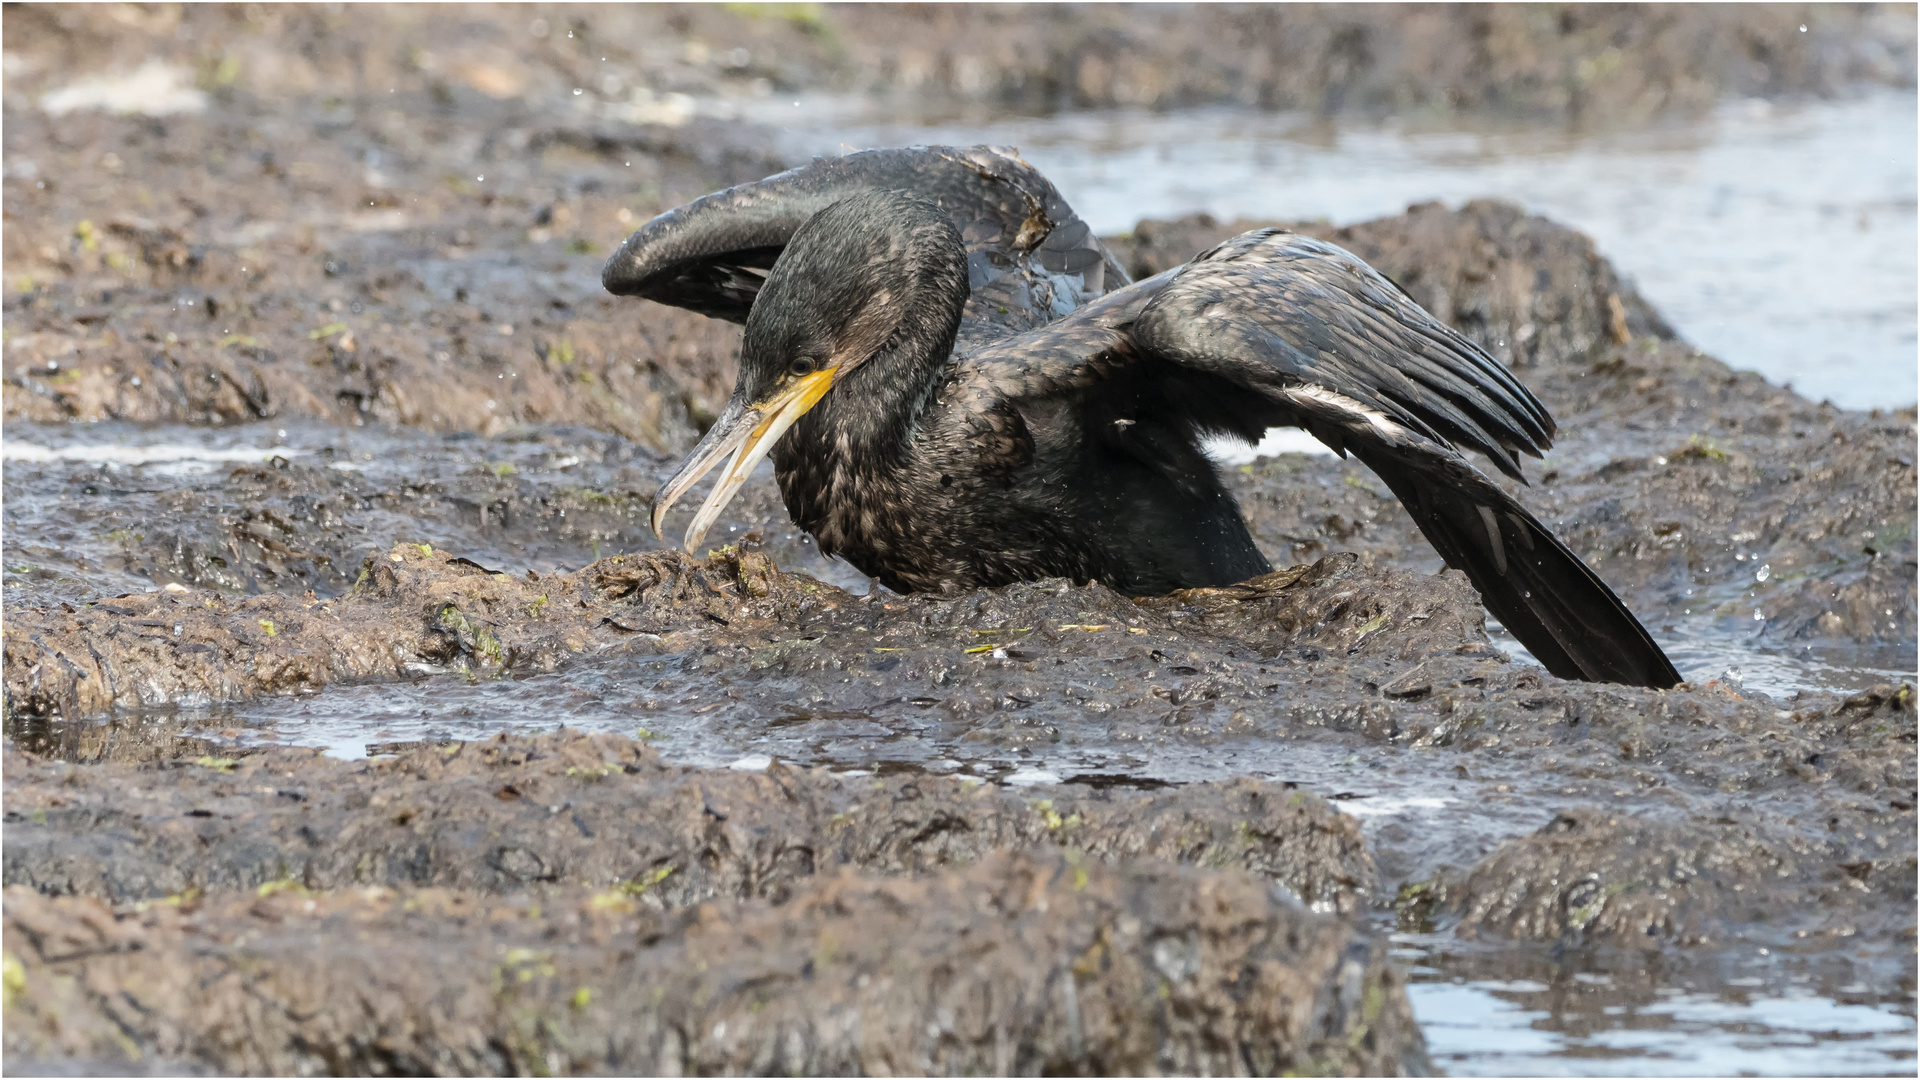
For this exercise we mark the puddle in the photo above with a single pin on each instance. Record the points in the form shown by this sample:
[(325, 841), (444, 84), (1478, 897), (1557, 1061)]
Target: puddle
[(1507, 1028), (161, 459), (152, 89), (1710, 220), (1780, 671)]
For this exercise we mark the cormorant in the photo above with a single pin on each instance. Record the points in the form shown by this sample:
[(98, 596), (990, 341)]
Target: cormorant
[(960, 387)]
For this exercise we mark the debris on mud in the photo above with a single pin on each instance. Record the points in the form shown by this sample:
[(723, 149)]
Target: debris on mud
[(1591, 876), (1021, 963), (1383, 657)]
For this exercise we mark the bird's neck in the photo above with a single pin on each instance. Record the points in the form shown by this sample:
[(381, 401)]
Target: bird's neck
[(847, 462)]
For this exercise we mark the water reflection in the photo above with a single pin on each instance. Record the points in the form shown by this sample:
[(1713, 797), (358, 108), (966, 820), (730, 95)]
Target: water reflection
[(1522, 1012)]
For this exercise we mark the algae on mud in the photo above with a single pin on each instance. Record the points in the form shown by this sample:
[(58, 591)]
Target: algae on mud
[(1676, 797), (321, 275), (1020, 963)]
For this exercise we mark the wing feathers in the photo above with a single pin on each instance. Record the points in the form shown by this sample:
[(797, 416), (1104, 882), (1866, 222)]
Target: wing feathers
[(1011, 216), (1309, 312), (1342, 352), (1542, 592)]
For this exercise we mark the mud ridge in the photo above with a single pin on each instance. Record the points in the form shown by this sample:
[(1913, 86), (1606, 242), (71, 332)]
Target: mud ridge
[(418, 611), (1020, 963), (603, 811)]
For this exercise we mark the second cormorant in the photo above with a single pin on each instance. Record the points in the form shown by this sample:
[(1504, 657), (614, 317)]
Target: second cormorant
[(959, 387)]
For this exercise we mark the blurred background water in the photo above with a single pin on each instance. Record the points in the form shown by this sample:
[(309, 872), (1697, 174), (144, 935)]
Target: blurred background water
[(1779, 237)]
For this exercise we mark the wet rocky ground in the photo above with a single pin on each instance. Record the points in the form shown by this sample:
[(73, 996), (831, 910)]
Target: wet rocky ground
[(316, 419)]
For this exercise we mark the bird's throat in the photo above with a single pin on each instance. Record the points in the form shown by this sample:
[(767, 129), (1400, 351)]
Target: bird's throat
[(846, 469)]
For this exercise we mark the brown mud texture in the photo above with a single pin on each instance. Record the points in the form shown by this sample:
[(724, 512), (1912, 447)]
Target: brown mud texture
[(376, 251)]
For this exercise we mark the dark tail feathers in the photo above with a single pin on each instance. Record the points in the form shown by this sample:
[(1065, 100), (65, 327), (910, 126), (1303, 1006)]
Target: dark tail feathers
[(1549, 599)]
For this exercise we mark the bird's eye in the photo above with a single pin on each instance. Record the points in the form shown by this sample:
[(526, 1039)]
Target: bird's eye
[(801, 367)]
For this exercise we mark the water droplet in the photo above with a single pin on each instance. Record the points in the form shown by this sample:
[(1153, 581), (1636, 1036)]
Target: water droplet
[(1757, 617), (576, 91), (1763, 573)]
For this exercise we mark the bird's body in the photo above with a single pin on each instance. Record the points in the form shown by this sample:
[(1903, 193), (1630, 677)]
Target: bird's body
[(1092, 480), (960, 388)]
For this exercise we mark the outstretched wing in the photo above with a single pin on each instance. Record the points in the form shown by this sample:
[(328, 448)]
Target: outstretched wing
[(1300, 316), (1274, 329), (1030, 259)]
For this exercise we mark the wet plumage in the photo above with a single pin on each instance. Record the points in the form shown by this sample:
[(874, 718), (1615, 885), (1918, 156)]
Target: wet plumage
[(959, 387)]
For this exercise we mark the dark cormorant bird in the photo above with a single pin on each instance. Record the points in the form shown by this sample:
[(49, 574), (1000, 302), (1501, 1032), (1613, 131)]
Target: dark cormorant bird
[(960, 387)]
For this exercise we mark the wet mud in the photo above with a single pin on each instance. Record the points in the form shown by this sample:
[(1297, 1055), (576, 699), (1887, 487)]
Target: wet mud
[(422, 449), (451, 309), (1017, 964), (1334, 651), (420, 611), (604, 811)]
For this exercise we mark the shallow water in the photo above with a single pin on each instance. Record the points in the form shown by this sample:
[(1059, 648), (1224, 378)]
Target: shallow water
[(1779, 238), (1493, 1027)]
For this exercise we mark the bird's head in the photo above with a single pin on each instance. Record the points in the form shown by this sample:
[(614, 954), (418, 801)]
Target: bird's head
[(874, 276)]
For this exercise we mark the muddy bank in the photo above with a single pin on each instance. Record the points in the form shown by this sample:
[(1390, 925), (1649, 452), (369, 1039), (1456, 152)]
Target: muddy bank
[(603, 811), (1312, 658), (1040, 963), (1703, 495), (310, 502), (1592, 65), (1593, 876), (419, 611), (254, 290), (420, 254), (408, 613), (306, 519)]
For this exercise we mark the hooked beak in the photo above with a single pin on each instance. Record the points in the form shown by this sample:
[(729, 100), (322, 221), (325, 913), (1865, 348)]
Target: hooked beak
[(748, 432)]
